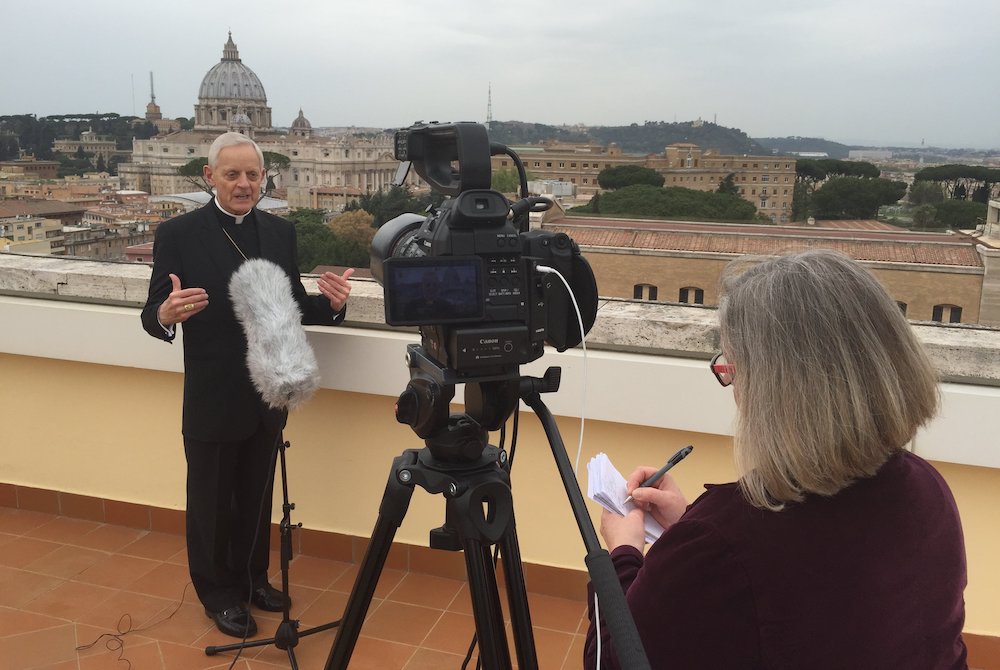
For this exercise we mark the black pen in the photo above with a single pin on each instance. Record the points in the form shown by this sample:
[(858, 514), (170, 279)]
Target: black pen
[(674, 460)]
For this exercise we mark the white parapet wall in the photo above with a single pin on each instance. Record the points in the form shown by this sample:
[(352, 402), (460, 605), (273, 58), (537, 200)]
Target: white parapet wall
[(645, 365)]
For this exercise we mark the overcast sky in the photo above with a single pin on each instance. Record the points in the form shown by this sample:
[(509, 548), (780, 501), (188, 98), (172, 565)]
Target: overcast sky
[(874, 72)]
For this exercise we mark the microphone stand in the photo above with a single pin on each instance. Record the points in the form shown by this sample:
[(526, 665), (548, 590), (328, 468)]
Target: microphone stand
[(287, 635)]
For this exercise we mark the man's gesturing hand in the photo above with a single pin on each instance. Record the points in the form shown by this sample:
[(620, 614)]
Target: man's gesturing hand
[(182, 303), (335, 287)]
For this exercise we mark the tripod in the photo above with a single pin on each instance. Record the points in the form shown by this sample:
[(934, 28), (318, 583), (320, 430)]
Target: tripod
[(287, 635), (474, 477)]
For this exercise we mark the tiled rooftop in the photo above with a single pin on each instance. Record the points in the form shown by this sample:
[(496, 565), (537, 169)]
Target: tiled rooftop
[(82, 595), (864, 245)]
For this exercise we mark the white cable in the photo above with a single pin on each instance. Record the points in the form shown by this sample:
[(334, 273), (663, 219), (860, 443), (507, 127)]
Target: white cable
[(597, 627), (545, 269)]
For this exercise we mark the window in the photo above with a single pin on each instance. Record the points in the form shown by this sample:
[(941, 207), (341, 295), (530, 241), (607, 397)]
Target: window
[(561, 164), (548, 164), (538, 164), (692, 295), (644, 292), (572, 165), (766, 178), (949, 313), (503, 163)]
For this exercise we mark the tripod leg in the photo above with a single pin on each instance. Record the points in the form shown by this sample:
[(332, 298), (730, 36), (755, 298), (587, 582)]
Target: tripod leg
[(483, 515), (494, 653), (517, 600), (395, 501)]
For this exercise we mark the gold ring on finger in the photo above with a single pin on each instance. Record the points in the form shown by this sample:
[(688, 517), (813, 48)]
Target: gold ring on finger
[(188, 307)]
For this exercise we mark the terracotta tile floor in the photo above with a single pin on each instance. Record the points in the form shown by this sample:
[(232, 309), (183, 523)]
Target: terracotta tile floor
[(67, 583)]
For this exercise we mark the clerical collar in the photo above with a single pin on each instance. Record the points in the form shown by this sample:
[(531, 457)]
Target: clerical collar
[(239, 217)]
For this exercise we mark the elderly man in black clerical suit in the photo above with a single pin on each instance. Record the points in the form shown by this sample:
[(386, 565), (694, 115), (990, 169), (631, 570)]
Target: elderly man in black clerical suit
[(230, 434)]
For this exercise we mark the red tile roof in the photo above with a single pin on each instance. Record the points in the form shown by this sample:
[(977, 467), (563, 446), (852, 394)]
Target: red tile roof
[(873, 245)]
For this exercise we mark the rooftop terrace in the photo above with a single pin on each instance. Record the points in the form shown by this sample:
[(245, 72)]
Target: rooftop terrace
[(91, 409)]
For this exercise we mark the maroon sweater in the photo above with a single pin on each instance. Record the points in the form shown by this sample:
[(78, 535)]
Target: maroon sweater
[(871, 577)]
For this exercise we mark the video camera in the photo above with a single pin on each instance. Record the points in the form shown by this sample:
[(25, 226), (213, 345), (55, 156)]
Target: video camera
[(471, 274)]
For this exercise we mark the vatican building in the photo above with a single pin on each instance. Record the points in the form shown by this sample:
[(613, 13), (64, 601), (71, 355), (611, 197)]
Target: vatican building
[(323, 172)]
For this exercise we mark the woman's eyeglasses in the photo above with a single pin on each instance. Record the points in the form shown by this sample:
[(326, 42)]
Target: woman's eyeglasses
[(722, 369)]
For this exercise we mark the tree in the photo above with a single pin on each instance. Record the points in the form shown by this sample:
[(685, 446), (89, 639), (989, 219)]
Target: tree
[(387, 205), (811, 173), (9, 149), (960, 214), (960, 181), (627, 175), (307, 215), (355, 226), (808, 175), (113, 163), (354, 233), (924, 216), (850, 168), (101, 165), (506, 180), (855, 197), (595, 204), (728, 185), (672, 202), (274, 165), (145, 130), (194, 173), (925, 193), (316, 246)]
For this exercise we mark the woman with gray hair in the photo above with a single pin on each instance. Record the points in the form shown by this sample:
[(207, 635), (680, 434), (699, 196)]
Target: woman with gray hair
[(837, 547)]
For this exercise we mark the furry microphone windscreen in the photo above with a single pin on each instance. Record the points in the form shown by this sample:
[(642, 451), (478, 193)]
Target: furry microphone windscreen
[(282, 365)]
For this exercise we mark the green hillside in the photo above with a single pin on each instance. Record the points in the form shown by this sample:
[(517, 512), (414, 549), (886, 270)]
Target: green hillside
[(650, 137)]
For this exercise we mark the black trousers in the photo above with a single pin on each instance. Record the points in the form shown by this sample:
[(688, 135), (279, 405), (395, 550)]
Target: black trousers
[(229, 488)]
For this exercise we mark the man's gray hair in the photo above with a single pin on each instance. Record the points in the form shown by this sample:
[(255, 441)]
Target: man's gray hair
[(231, 139)]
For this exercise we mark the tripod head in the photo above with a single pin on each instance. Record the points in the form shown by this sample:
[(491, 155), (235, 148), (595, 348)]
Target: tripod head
[(424, 406)]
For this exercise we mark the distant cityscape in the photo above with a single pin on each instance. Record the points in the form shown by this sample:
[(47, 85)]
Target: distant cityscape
[(101, 190)]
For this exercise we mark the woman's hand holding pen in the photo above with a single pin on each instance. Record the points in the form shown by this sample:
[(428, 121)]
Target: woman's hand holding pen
[(664, 500)]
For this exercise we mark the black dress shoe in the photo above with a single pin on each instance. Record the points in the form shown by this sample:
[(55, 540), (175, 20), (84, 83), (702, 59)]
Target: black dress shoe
[(269, 599), (235, 621)]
